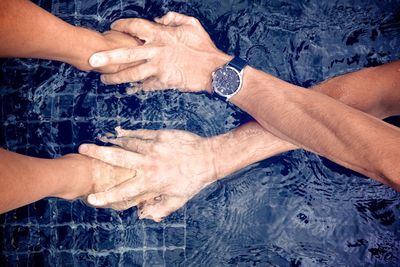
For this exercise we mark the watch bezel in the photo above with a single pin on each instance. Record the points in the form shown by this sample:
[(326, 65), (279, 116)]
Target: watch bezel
[(239, 73)]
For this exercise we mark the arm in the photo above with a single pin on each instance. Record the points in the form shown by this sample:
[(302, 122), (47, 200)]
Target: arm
[(26, 30), (200, 161), (24, 179)]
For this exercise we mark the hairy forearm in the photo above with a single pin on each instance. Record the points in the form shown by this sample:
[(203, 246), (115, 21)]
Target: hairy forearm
[(319, 123), (27, 30), (24, 179), (251, 142)]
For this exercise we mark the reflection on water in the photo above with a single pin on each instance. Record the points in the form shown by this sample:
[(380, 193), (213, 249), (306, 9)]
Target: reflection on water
[(293, 209)]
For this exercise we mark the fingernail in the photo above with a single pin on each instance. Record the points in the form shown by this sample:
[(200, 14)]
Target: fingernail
[(97, 60), (103, 79), (113, 24), (83, 148), (93, 200)]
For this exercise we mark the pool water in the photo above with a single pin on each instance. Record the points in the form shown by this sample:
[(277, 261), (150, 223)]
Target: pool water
[(295, 209)]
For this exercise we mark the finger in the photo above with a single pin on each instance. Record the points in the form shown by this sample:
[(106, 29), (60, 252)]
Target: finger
[(112, 176), (141, 28), (176, 19), (133, 189), (122, 56), (151, 84), (112, 155), (134, 74), (131, 143), (140, 133), (161, 209)]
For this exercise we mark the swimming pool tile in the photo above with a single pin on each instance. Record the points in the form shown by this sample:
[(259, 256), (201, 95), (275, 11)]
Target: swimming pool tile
[(154, 258), (64, 7), (64, 106), (175, 257), (111, 259), (84, 236), (64, 211), (84, 259), (107, 237), (47, 236), (175, 236), (85, 105), (133, 236), (132, 258), (64, 259), (40, 212), (107, 216), (154, 236), (62, 132), (64, 237), (129, 217)]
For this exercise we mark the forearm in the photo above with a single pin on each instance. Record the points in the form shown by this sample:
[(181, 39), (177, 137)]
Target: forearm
[(24, 179), (251, 142), (319, 123), (26, 30)]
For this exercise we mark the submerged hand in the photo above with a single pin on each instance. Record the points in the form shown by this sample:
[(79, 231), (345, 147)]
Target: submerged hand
[(172, 166), (92, 176), (177, 53)]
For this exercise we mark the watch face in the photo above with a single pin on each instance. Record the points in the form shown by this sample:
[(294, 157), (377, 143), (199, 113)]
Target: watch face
[(226, 81)]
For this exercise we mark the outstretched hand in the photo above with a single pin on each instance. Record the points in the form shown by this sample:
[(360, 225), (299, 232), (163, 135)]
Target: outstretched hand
[(177, 53), (171, 167)]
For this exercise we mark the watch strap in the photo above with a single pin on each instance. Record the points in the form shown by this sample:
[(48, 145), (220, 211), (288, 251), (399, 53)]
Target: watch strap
[(238, 63)]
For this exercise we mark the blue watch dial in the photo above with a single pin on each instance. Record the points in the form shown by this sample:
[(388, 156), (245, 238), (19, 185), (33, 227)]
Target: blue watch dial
[(226, 81)]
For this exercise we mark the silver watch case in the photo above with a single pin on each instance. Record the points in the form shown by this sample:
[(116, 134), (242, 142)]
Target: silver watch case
[(218, 91)]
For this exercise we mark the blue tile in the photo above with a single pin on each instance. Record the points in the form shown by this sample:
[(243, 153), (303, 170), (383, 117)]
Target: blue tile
[(65, 237), (85, 260), (65, 259), (42, 258), (107, 237), (175, 236), (21, 215), (64, 106), (18, 238), (84, 237), (176, 217), (132, 258), (154, 258), (47, 237), (111, 259), (131, 107), (107, 215), (175, 257), (87, 7), (39, 133), (83, 132), (64, 7), (62, 132), (129, 217), (82, 213), (154, 237), (35, 243), (109, 10), (133, 237), (64, 214), (108, 106), (85, 105), (40, 212)]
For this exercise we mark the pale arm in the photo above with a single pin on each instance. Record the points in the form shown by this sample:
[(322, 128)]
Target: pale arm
[(328, 127)]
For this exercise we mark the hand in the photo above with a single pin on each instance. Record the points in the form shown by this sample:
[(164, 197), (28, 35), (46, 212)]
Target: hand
[(91, 176), (172, 166), (105, 41), (177, 53)]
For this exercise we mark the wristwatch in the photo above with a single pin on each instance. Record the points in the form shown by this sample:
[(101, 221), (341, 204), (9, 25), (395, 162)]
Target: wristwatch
[(227, 80)]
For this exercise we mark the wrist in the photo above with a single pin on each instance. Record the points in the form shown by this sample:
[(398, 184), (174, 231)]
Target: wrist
[(73, 176), (213, 61), (87, 43)]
